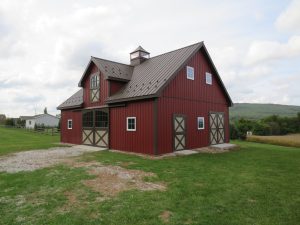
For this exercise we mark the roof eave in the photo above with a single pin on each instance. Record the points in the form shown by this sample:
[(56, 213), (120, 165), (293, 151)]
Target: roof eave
[(117, 79), (159, 92), (70, 107), (131, 99), (83, 75), (218, 75)]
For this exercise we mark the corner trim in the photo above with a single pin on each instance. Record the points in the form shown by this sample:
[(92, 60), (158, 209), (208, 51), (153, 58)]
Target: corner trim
[(155, 126)]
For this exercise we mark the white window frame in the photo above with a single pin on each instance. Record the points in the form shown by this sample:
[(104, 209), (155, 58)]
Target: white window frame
[(200, 118), (70, 127), (207, 74), (127, 119), (187, 73)]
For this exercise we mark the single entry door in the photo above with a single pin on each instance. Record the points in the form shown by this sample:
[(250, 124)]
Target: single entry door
[(95, 127), (179, 126), (217, 128)]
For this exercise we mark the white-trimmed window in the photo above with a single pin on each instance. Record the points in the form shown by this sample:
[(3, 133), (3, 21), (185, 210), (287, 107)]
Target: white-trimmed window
[(131, 124), (70, 124), (200, 123), (208, 78), (190, 73)]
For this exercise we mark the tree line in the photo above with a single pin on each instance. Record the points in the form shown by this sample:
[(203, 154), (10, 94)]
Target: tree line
[(271, 125)]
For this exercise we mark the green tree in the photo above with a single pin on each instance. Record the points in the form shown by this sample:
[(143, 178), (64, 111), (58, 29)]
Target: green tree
[(243, 126), (234, 133), (45, 110), (9, 122)]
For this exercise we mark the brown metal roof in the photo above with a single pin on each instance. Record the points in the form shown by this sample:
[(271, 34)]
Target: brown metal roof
[(75, 101), (149, 77), (145, 80), (110, 70)]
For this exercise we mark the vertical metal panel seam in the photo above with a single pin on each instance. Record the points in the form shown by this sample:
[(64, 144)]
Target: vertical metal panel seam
[(155, 126)]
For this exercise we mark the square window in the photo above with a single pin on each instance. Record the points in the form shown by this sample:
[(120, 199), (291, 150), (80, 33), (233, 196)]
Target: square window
[(131, 124), (190, 73), (70, 124), (208, 78), (200, 123)]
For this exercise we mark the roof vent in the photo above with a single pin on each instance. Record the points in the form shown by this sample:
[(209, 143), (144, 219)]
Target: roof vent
[(138, 56)]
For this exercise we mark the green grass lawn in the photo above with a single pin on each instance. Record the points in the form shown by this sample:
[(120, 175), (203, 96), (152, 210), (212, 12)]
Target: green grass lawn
[(258, 184), (13, 140)]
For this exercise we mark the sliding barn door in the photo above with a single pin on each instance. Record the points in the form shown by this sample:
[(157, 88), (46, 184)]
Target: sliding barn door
[(88, 127), (101, 128), (217, 128), (95, 128), (179, 126)]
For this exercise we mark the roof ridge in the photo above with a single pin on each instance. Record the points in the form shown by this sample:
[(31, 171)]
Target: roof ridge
[(201, 42), (112, 61)]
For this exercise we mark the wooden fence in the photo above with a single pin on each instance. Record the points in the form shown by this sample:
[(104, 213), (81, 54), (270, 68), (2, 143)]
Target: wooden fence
[(41, 130)]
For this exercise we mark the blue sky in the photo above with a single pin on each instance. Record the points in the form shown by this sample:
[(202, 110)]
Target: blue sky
[(46, 45)]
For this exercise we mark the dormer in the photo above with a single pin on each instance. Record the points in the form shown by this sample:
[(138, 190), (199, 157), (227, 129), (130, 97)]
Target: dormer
[(138, 56)]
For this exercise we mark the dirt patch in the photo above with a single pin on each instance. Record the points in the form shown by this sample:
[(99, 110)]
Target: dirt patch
[(111, 180), (72, 199), (165, 216), (213, 150), (38, 159)]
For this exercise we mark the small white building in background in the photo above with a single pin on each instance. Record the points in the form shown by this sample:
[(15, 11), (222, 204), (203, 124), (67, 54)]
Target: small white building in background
[(41, 119)]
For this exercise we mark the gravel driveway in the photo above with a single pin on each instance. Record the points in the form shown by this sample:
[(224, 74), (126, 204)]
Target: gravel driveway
[(37, 159)]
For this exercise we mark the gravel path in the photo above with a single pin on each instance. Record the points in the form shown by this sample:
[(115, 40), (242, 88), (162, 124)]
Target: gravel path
[(37, 159)]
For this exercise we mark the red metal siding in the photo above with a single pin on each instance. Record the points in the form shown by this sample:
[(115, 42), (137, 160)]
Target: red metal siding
[(103, 88), (194, 138), (141, 140), (196, 89), (74, 135), (115, 86), (192, 98)]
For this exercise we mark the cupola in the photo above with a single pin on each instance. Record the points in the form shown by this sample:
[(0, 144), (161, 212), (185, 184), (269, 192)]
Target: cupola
[(138, 56)]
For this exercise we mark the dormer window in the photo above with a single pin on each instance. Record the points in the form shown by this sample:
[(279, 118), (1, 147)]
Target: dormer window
[(94, 87)]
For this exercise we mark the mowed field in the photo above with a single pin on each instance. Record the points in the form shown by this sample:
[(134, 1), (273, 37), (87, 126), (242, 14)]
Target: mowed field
[(292, 140), (13, 140), (257, 184)]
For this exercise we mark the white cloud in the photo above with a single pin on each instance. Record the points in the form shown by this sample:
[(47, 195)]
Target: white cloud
[(45, 45), (261, 51), (289, 19)]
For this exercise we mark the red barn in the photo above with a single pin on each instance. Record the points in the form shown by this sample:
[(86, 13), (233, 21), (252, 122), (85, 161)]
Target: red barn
[(155, 105)]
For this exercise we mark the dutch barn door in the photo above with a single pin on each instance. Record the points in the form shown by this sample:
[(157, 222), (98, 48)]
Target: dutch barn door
[(95, 127), (179, 127), (217, 128)]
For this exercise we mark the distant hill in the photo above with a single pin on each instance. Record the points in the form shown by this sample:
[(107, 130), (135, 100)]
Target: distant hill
[(259, 111)]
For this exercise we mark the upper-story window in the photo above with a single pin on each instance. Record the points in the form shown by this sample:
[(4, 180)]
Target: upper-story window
[(208, 78), (190, 73), (94, 88)]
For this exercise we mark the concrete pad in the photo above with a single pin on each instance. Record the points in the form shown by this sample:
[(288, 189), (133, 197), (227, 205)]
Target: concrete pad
[(88, 147), (185, 152), (224, 146)]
